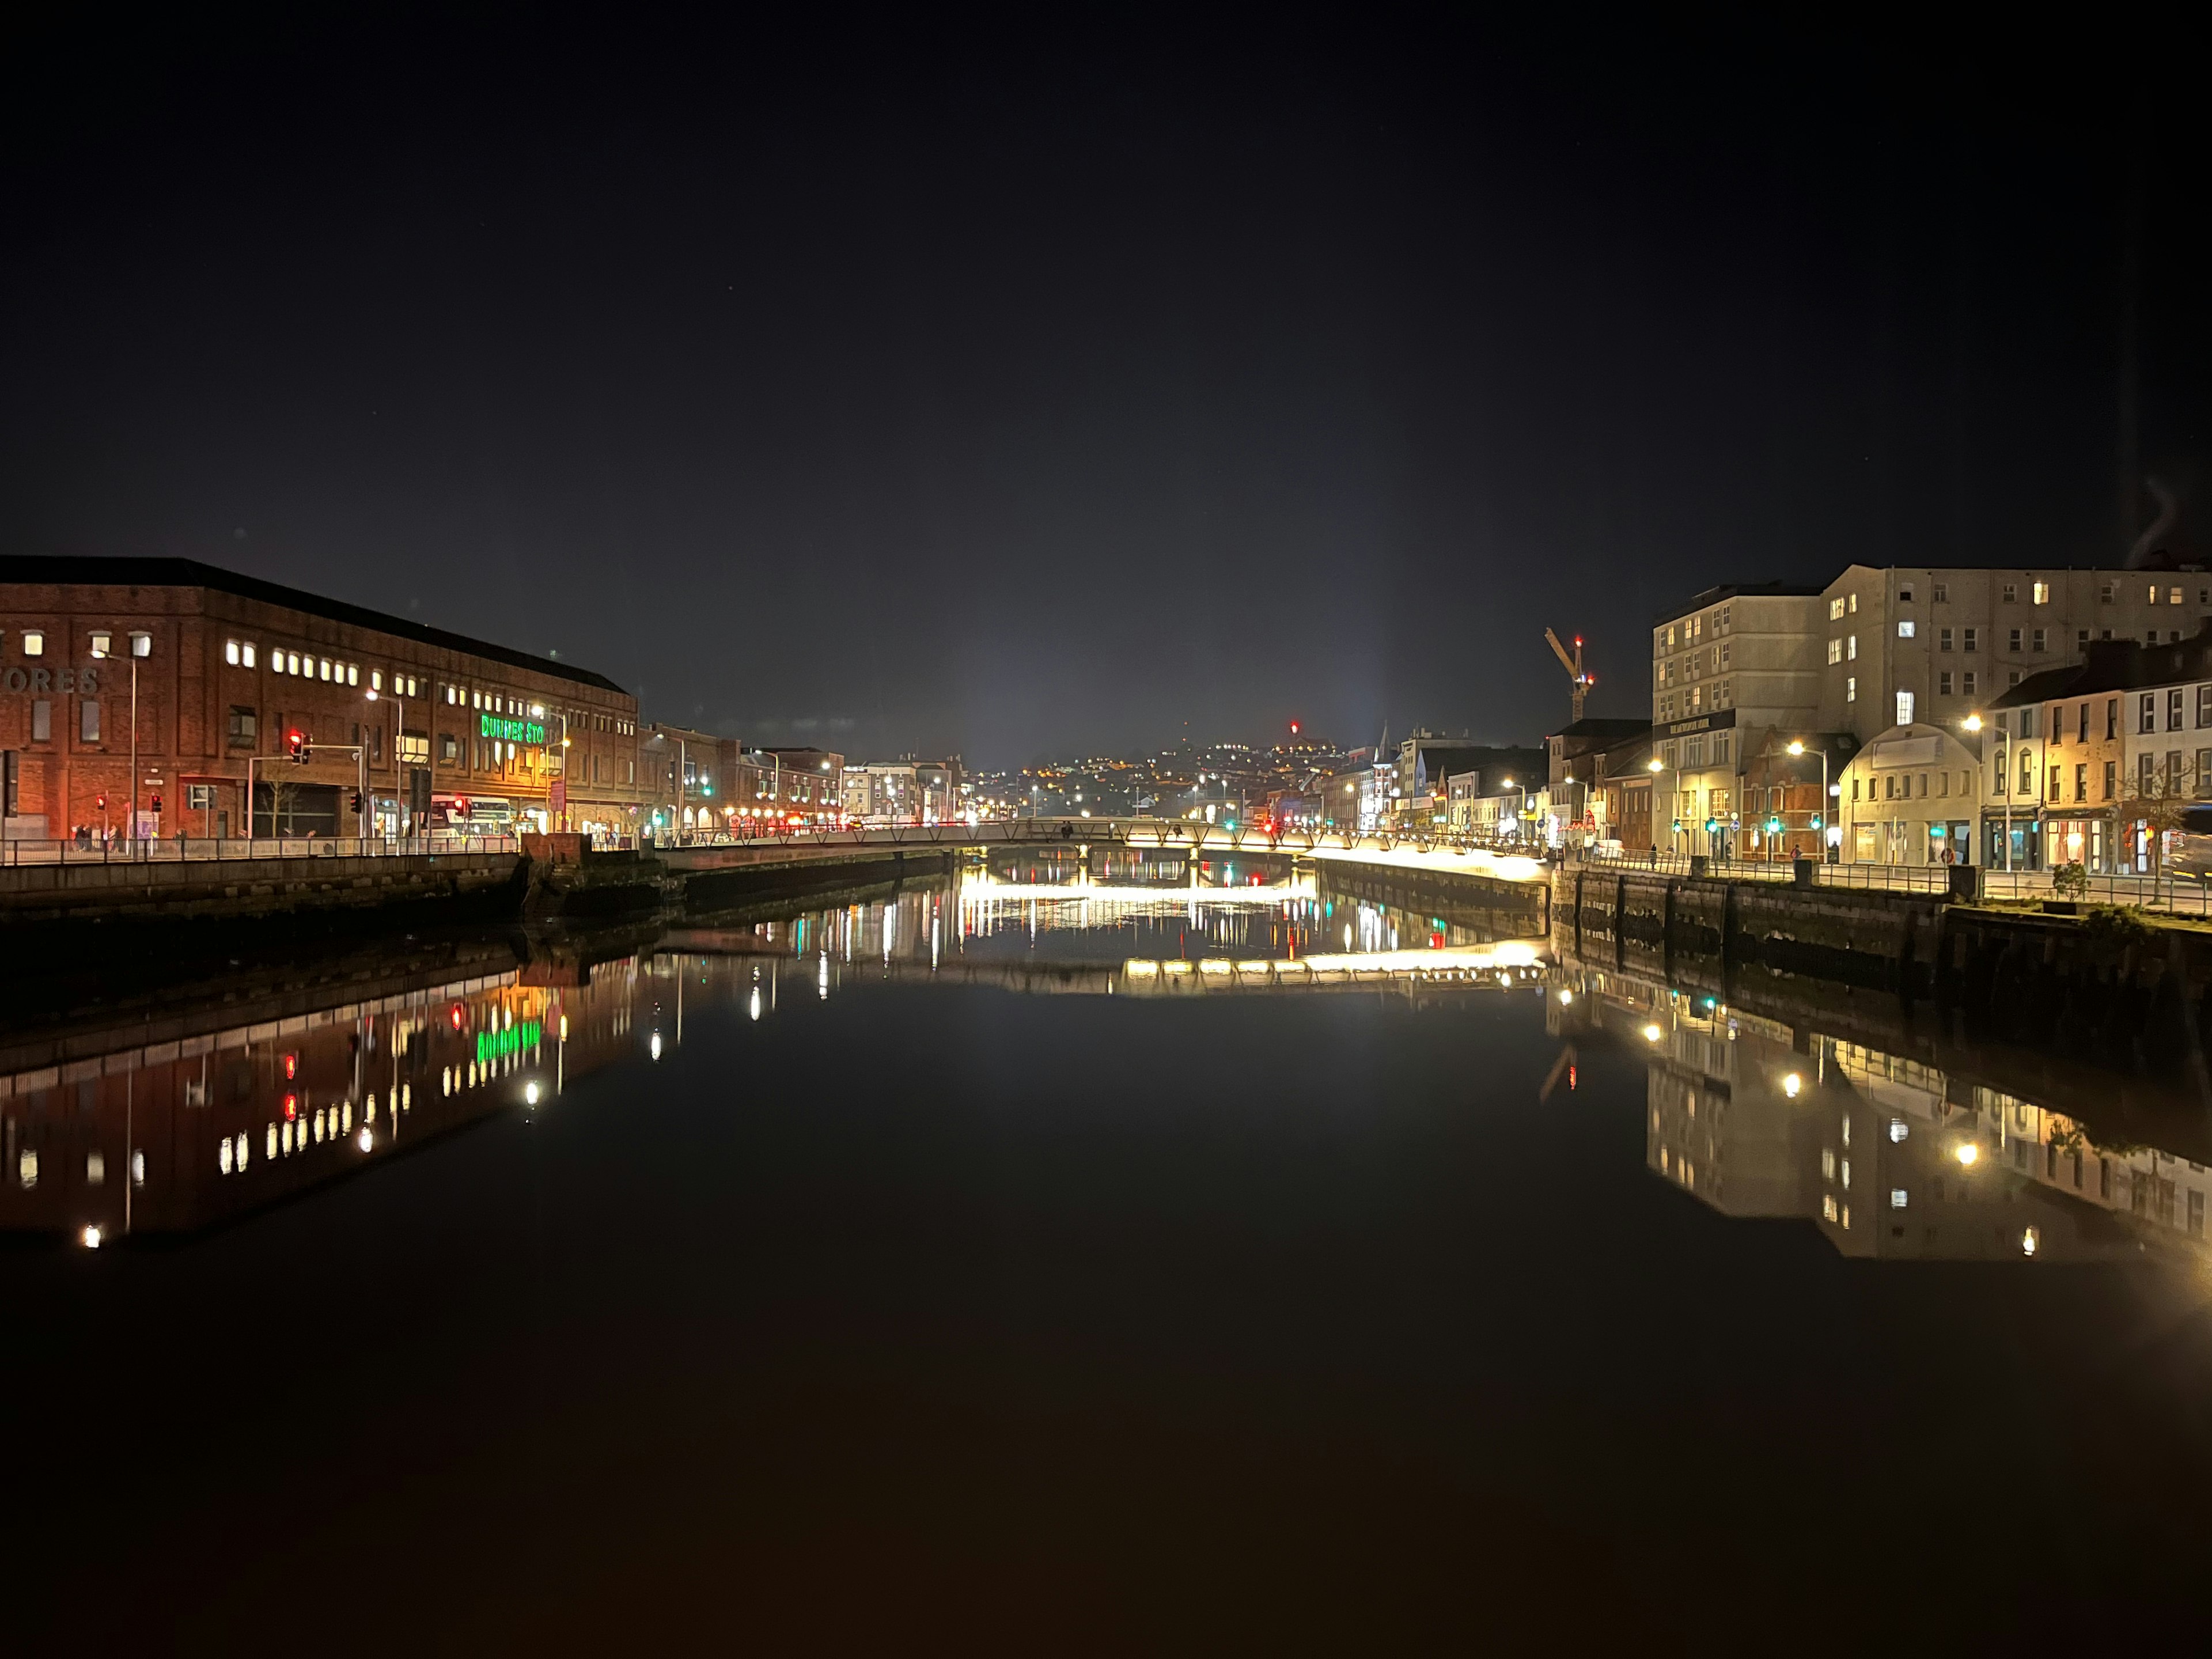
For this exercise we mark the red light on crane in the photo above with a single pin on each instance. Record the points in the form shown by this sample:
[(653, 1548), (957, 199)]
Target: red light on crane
[(291, 1066)]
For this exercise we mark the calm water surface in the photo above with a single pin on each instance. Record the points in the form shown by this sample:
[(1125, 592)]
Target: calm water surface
[(1167, 1263)]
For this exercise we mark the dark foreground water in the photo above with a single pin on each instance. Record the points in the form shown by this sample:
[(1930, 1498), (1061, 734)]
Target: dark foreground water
[(890, 1309)]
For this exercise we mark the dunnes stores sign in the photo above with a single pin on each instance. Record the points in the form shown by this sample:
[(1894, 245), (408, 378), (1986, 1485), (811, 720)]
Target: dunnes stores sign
[(84, 681), (514, 731)]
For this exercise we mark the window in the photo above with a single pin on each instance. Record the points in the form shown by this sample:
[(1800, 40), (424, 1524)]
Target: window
[(325, 668), (2106, 634), (245, 725), (2054, 783), (2204, 705), (34, 642), (2081, 723), (1905, 709), (2173, 709), (103, 643), (2041, 593), (2081, 639), (1835, 650), (353, 673), (1943, 684), (1943, 639), (2111, 779), (42, 722), (1905, 629), (1836, 609), (1969, 681), (2112, 719), (2146, 713), (88, 721), (2153, 593), (2027, 723), (1897, 1198), (1971, 639), (1942, 592), (230, 652), (2203, 773), (1851, 647), (2108, 592), (2146, 775), (2039, 645), (1904, 595), (291, 662), (2081, 781), (2173, 596), (448, 750), (2012, 593), (1851, 690), (2012, 640), (376, 679), (247, 652), (1997, 771)]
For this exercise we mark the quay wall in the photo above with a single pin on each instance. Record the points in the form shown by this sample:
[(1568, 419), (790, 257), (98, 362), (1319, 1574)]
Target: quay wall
[(2100, 985)]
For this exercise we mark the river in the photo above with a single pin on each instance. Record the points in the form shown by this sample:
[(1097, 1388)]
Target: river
[(1144, 1258)]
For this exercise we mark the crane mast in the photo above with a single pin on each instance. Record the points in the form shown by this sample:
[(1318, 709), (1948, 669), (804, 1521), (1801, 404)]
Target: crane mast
[(1580, 682)]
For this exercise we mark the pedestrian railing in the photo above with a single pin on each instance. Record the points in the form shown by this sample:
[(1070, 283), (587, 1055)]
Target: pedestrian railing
[(2175, 894), (198, 849)]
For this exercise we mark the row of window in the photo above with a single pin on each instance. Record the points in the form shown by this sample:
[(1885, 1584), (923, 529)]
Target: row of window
[(33, 642), (244, 653), (2038, 593)]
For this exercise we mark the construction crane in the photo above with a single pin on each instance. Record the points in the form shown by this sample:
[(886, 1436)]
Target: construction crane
[(1573, 664)]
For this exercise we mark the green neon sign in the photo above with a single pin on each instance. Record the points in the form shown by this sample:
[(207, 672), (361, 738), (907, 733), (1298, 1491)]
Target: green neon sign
[(498, 725), (498, 1045)]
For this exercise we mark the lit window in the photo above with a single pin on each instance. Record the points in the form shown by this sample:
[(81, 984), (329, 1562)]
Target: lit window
[(102, 644), (247, 650), (230, 656), (291, 662), (410, 685), (1905, 629), (376, 679), (1897, 1198), (1897, 1129), (2042, 592), (35, 645), (353, 673), (141, 644), (325, 670), (1835, 650), (2173, 596), (1851, 690)]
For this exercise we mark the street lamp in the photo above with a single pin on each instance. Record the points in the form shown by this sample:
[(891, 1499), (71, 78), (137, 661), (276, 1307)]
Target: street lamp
[(142, 645), (1820, 820), (1658, 766), (399, 741)]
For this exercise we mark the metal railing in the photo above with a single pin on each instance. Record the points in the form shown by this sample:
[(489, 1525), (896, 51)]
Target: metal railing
[(206, 849), (2173, 894)]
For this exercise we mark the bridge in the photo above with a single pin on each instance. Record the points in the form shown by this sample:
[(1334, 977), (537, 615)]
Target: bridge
[(1385, 850)]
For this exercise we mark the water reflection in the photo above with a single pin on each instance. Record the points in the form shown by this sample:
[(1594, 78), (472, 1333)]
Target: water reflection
[(250, 1097), (1888, 1156)]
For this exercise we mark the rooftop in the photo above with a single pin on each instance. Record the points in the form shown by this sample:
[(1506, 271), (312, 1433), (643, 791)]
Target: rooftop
[(92, 570), (1741, 591)]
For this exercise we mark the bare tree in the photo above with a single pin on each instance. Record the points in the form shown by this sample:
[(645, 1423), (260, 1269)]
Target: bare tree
[(2158, 798)]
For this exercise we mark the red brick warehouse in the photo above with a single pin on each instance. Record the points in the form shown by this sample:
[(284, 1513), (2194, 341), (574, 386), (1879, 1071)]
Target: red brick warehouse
[(227, 666)]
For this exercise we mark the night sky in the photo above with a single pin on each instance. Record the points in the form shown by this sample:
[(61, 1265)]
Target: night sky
[(1022, 384)]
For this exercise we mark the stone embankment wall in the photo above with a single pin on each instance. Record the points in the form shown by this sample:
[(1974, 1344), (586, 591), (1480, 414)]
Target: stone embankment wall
[(31, 895), (2099, 986)]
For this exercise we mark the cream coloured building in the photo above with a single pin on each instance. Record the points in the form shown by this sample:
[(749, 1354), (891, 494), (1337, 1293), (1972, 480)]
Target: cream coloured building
[(1913, 795)]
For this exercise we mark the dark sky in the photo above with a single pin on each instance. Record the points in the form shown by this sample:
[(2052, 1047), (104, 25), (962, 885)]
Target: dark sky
[(1018, 384)]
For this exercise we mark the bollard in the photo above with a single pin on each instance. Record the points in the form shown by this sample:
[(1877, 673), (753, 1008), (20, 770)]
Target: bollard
[(1801, 872), (1700, 864), (1965, 883)]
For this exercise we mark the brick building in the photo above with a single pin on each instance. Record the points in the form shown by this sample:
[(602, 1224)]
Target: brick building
[(227, 666)]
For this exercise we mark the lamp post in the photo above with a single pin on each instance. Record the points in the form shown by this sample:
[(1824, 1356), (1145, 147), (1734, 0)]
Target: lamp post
[(1820, 821), (398, 740), (142, 645), (1658, 767)]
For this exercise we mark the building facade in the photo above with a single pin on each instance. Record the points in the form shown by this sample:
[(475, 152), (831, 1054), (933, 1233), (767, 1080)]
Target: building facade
[(206, 678), (1912, 796)]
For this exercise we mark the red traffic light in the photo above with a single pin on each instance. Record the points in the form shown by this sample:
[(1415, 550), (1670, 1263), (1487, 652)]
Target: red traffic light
[(101, 801), (155, 806), (295, 742)]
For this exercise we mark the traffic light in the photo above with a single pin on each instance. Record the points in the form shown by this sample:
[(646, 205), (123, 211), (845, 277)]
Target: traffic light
[(1774, 826), (155, 805), (101, 801), (356, 798), (1816, 820), (295, 745)]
